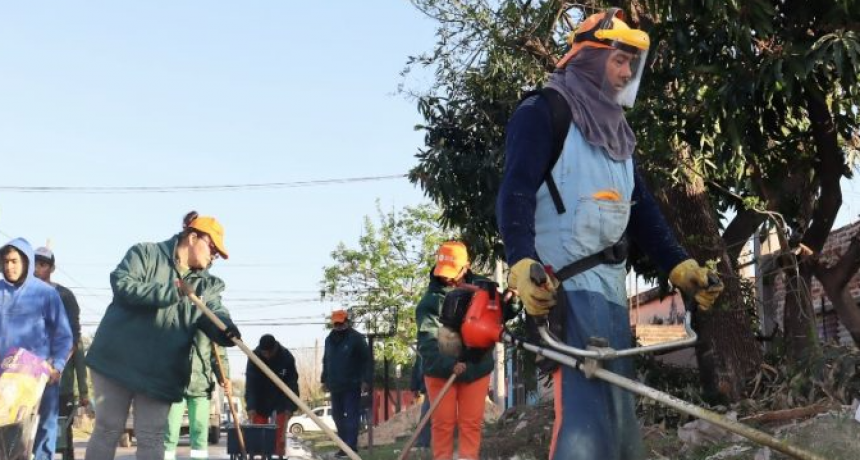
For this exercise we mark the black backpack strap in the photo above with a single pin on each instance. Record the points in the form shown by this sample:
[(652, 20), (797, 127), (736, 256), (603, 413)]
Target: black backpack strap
[(560, 125), (560, 114)]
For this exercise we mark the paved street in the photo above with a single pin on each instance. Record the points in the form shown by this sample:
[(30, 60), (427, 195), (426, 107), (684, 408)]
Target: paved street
[(218, 452), (295, 450)]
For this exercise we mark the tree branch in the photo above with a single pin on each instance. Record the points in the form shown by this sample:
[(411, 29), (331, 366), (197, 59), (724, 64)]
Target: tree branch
[(829, 168), (740, 229)]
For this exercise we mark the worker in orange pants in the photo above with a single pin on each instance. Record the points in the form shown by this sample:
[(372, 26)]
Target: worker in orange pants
[(463, 407)]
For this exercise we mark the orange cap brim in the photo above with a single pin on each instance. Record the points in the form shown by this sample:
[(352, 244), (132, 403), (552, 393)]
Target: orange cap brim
[(447, 270), (219, 245)]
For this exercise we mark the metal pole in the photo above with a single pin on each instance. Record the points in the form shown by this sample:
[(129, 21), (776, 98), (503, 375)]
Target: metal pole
[(592, 368), (385, 387), (271, 375), (372, 413)]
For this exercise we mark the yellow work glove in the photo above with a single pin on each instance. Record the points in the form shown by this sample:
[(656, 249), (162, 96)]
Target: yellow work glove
[(537, 299), (699, 282)]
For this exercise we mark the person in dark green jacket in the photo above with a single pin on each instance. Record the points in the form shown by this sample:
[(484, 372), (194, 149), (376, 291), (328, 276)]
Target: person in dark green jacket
[(205, 376), (140, 352), (463, 405), (346, 374)]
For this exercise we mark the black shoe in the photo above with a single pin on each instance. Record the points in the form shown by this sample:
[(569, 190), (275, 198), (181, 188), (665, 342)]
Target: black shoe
[(340, 454)]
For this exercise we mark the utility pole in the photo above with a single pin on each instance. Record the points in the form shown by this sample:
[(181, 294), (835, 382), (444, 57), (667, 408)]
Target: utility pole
[(499, 384), (372, 414), (317, 359)]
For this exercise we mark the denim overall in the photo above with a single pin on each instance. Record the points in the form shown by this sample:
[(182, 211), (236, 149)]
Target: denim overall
[(594, 420)]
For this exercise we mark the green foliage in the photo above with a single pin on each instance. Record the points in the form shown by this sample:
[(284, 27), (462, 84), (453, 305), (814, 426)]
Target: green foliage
[(732, 84), (486, 57), (383, 279), (727, 95)]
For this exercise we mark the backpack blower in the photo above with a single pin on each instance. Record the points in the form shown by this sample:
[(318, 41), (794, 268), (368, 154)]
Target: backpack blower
[(472, 320)]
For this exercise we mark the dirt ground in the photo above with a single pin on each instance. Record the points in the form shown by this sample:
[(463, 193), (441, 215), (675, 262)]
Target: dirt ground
[(525, 433), (403, 424)]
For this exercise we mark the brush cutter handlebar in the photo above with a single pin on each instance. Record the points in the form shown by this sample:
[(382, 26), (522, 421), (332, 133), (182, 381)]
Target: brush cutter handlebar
[(596, 351)]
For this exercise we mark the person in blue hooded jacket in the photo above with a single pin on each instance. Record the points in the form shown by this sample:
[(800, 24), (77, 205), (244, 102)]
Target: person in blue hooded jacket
[(32, 317)]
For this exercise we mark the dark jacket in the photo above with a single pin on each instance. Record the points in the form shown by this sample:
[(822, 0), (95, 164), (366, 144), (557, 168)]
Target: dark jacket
[(346, 361), (416, 382), (73, 311), (144, 339), (76, 369), (205, 374), (435, 363), (261, 394)]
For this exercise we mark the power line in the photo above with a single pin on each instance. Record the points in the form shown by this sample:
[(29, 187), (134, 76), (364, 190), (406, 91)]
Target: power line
[(195, 188)]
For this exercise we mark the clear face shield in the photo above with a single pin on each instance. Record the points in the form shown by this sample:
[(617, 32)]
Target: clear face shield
[(623, 75)]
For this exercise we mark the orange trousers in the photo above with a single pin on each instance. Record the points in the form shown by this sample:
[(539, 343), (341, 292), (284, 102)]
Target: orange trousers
[(281, 425), (461, 407)]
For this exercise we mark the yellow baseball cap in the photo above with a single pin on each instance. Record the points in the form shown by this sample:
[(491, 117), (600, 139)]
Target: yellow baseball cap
[(213, 228), (451, 258)]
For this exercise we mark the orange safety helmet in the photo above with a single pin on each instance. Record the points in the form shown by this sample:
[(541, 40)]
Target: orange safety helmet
[(605, 30)]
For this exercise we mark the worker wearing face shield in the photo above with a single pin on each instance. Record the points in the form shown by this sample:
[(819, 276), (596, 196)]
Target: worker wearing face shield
[(574, 205)]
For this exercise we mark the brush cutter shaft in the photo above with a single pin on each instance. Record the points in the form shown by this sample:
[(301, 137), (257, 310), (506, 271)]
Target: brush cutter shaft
[(272, 376), (604, 353), (423, 421), (592, 369)]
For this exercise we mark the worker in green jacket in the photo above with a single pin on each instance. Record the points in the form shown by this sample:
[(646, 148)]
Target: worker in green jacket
[(140, 353), (201, 389), (462, 407)]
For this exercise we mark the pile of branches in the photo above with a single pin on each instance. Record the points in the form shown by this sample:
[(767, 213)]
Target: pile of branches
[(778, 392), (824, 381)]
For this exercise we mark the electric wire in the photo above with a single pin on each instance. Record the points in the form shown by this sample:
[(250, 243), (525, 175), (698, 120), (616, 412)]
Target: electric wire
[(193, 188)]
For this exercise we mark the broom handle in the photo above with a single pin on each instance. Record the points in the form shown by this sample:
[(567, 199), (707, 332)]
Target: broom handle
[(229, 391), (433, 405)]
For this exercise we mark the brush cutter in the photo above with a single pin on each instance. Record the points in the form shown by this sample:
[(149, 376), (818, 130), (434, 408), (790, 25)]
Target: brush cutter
[(485, 326), (269, 373)]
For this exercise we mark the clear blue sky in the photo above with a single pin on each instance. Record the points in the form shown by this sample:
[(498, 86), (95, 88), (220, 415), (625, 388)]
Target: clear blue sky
[(158, 93)]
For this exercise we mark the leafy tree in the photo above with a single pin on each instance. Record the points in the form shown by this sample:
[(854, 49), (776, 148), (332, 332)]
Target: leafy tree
[(382, 280), (747, 106), (753, 106)]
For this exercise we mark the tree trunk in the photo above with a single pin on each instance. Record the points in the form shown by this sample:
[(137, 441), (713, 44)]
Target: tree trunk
[(727, 351), (799, 317), (801, 333), (835, 281)]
